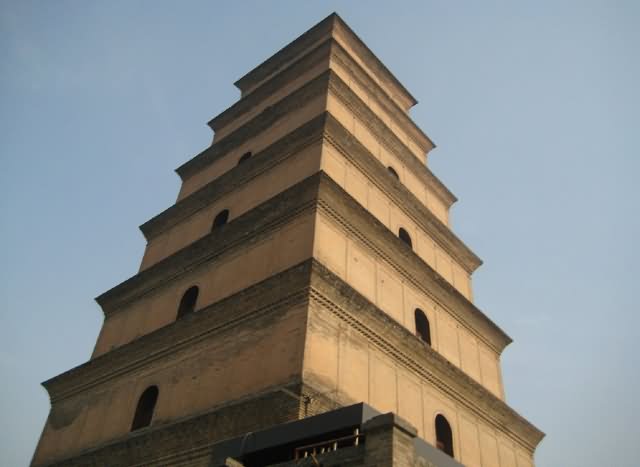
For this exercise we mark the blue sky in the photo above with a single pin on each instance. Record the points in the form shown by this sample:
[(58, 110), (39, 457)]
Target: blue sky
[(535, 110)]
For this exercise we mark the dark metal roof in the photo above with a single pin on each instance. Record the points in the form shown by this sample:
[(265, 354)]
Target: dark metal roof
[(296, 432)]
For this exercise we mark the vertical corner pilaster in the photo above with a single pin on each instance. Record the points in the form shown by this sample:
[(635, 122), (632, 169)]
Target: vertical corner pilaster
[(389, 441)]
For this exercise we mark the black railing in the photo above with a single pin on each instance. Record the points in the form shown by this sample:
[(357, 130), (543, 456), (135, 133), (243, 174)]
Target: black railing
[(328, 446)]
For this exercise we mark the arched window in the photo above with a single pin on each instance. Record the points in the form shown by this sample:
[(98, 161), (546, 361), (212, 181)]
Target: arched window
[(188, 302), (423, 330), (444, 436), (244, 157), (220, 220), (393, 172), (405, 237), (145, 408)]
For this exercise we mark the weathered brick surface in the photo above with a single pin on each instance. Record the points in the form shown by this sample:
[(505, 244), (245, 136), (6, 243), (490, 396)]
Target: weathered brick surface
[(188, 442)]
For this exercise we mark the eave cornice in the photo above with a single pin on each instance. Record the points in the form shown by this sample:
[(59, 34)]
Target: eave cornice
[(328, 26)]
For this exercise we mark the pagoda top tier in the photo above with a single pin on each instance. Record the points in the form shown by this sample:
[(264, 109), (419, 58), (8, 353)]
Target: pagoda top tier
[(331, 27)]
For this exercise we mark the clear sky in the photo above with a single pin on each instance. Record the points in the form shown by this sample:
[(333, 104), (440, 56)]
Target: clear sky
[(534, 107)]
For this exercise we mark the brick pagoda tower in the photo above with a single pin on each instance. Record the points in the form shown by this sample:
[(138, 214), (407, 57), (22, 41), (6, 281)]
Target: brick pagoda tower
[(303, 298)]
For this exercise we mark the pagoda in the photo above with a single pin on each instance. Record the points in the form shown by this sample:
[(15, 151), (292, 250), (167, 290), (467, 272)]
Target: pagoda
[(303, 302)]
